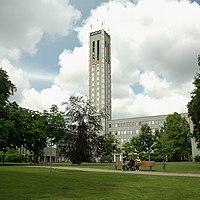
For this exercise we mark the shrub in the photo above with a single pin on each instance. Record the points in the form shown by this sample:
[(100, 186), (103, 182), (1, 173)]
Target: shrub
[(2, 156), (197, 158), (14, 158)]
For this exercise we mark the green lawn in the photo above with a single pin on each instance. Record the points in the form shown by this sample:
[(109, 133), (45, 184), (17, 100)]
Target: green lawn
[(20, 182)]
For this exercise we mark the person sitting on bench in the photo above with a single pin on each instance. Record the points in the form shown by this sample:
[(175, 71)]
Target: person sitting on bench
[(131, 164)]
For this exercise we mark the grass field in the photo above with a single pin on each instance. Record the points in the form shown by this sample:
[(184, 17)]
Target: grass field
[(21, 182)]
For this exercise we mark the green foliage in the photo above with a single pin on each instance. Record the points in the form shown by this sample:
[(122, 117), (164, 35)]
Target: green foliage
[(145, 140), (2, 156), (36, 136), (197, 158), (106, 146), (131, 147), (11, 156), (84, 125), (177, 137), (141, 144), (194, 107), (55, 124), (7, 88), (14, 158)]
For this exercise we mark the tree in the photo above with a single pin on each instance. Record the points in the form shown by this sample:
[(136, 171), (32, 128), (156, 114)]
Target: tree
[(177, 138), (7, 88), (194, 107), (159, 148), (84, 126), (106, 146), (131, 147), (145, 140), (55, 124), (35, 138)]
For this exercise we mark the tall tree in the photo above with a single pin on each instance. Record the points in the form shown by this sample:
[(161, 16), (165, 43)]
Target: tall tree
[(7, 88), (36, 136), (84, 125), (177, 137), (55, 124), (145, 140), (159, 148), (131, 146), (107, 145), (194, 107)]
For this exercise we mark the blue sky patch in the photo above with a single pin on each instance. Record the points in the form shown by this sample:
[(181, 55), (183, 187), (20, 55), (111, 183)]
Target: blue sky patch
[(137, 88)]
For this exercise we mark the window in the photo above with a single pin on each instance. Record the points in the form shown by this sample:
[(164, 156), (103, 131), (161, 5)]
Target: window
[(93, 50), (97, 49), (108, 52), (105, 53)]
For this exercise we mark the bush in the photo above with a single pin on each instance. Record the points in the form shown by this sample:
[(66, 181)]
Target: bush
[(197, 158), (14, 158), (2, 156)]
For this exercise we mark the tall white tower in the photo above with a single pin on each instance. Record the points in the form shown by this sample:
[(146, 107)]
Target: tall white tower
[(100, 73)]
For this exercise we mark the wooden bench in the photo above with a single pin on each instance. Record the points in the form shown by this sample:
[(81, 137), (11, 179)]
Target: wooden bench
[(147, 164), (119, 164)]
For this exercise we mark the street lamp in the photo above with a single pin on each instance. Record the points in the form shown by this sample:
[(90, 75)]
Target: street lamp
[(163, 151)]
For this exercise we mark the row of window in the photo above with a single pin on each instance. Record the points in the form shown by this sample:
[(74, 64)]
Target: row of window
[(137, 123), (128, 132)]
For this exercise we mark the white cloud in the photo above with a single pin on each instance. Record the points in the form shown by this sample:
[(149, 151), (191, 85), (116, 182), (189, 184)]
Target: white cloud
[(23, 22), (73, 70), (18, 78), (36, 100), (154, 43)]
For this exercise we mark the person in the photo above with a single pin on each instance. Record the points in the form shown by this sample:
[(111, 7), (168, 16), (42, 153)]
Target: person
[(124, 163), (137, 163), (131, 164)]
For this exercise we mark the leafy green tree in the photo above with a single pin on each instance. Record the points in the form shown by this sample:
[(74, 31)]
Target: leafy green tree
[(84, 125), (106, 146), (194, 107), (145, 140), (7, 88), (131, 146), (177, 137), (158, 147), (55, 124), (35, 138)]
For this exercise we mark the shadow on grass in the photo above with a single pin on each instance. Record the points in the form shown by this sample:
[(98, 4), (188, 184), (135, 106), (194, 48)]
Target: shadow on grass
[(14, 164)]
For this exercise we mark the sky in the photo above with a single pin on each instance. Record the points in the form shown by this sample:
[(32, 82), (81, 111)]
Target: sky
[(154, 49)]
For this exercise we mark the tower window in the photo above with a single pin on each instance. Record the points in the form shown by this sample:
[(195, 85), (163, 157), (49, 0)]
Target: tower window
[(105, 53), (108, 52), (97, 49), (93, 50)]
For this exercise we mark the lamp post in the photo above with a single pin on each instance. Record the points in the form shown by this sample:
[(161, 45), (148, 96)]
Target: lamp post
[(163, 151)]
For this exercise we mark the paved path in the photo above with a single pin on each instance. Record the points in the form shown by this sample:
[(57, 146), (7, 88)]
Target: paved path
[(127, 172)]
